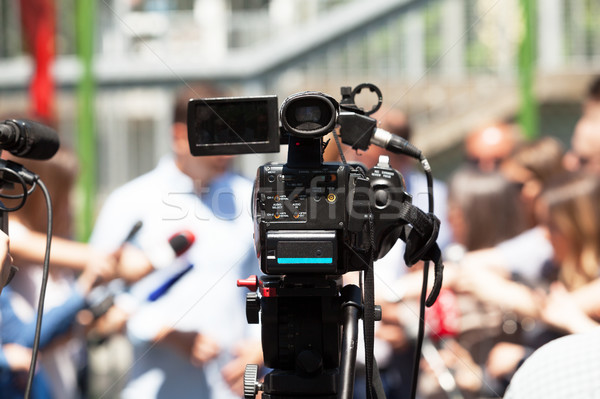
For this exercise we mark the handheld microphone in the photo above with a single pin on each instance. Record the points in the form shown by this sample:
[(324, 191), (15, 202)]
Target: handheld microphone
[(133, 232), (179, 243), (164, 287), (28, 139), (163, 254)]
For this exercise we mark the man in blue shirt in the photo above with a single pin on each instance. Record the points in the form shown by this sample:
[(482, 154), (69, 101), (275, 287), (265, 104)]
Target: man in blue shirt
[(193, 340)]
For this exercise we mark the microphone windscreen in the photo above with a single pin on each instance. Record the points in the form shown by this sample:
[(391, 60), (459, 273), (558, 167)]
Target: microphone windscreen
[(182, 241)]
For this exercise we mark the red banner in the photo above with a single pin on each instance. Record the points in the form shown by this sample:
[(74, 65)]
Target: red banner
[(38, 22)]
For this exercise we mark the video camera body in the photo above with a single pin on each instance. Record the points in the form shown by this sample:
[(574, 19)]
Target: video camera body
[(313, 222), (314, 219), (310, 217)]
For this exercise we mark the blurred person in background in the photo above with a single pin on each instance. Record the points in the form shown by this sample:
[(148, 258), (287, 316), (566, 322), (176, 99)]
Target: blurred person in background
[(64, 359), (486, 147), (591, 103), (193, 341), (569, 209), (61, 355), (585, 142), (585, 146), (529, 168), (520, 258), (484, 209), (533, 260), (524, 256), (511, 244), (566, 367), (27, 228)]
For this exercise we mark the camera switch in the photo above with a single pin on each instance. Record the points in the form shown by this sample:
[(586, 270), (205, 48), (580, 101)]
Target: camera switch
[(251, 283)]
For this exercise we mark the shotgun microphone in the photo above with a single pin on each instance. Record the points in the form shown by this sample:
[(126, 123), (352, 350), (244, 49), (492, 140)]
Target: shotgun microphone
[(28, 139)]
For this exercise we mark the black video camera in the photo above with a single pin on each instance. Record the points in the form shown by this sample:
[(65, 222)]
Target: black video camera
[(314, 221), (310, 217)]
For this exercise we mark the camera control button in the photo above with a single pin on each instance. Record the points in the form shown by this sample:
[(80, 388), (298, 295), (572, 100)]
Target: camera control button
[(381, 198)]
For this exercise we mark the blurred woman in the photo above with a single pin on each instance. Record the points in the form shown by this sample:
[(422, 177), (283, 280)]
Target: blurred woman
[(484, 209), (530, 167), (61, 359), (570, 210)]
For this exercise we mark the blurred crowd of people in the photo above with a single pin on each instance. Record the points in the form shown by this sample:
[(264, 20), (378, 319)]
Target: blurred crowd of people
[(522, 261), (177, 304), (520, 235)]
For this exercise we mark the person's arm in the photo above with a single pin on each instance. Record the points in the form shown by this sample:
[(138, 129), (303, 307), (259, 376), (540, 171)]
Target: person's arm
[(28, 247), (56, 321), (489, 287), (587, 298), (245, 352), (490, 258), (5, 260), (562, 310), (199, 348)]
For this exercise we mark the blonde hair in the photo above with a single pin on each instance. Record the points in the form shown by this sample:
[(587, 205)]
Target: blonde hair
[(573, 206)]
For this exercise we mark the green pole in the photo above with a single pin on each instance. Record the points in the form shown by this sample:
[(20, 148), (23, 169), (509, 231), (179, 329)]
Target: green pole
[(86, 187), (528, 114)]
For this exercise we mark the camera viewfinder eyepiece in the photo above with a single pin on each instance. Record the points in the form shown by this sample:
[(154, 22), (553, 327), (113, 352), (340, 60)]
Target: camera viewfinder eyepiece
[(309, 114)]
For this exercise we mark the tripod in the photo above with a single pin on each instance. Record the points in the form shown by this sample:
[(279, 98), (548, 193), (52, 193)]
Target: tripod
[(302, 322)]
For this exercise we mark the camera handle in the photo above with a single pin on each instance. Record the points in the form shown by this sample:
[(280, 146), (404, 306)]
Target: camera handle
[(352, 310)]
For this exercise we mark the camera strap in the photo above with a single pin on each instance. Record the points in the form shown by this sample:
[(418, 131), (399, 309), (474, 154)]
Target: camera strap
[(420, 235)]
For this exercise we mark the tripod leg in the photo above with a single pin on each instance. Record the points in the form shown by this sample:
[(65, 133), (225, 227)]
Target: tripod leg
[(352, 310)]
